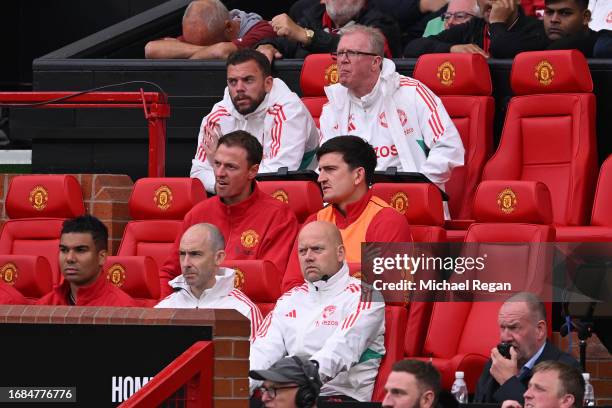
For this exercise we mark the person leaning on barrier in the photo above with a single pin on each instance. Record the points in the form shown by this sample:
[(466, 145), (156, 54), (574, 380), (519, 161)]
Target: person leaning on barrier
[(553, 385), (331, 318), (266, 108), (82, 252), (522, 324), (254, 225), (291, 382), (346, 169), (210, 31), (400, 117), (203, 284)]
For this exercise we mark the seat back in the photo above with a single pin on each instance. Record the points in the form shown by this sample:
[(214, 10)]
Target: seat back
[(421, 203), (30, 274), (318, 71), (258, 279), (135, 275), (395, 327), (38, 206), (304, 197), (549, 131), (463, 83), (157, 206), (601, 215)]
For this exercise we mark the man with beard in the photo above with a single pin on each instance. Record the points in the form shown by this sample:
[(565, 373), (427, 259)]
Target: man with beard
[(412, 384), (319, 29), (254, 224), (522, 324), (266, 108), (502, 32)]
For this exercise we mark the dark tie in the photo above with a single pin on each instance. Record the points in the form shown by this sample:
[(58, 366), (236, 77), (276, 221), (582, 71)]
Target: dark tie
[(524, 374)]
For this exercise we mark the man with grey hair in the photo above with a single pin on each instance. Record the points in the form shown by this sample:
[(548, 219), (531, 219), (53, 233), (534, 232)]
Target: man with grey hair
[(457, 12), (400, 117), (522, 325), (210, 31), (203, 284), (319, 28)]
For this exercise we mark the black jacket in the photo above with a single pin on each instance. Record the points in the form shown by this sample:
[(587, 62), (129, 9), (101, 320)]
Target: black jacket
[(324, 42), (489, 391), (526, 35), (583, 41)]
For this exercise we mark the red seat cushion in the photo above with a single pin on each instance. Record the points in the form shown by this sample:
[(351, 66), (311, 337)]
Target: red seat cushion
[(30, 274), (135, 275), (165, 198), (304, 197), (152, 238), (318, 71)]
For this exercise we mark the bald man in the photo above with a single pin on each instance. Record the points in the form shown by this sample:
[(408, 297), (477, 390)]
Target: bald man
[(328, 319), (210, 31), (203, 284)]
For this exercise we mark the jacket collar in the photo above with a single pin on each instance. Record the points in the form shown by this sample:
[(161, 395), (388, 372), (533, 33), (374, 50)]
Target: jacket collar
[(224, 284), (353, 211), (334, 285), (240, 210), (85, 293)]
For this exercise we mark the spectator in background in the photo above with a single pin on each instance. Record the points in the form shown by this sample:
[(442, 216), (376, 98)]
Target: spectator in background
[(263, 106), (254, 225), (566, 23), (11, 296), (404, 121), (82, 252), (210, 31), (522, 324), (346, 169), (502, 32), (412, 15), (601, 21), (553, 385), (329, 319), (319, 29), (458, 12), (412, 384), (203, 284), (291, 382)]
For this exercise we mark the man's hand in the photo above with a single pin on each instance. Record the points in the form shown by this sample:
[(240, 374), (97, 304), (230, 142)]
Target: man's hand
[(269, 51), (284, 26), (503, 369), (502, 11), (211, 140), (511, 404), (469, 49)]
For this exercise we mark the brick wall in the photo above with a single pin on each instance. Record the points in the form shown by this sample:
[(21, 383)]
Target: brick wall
[(599, 364), (231, 332), (105, 195)]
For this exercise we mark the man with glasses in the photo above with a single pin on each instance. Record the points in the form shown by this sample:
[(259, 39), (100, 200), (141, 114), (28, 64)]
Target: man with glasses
[(265, 107), (458, 12), (291, 382), (400, 117), (503, 31)]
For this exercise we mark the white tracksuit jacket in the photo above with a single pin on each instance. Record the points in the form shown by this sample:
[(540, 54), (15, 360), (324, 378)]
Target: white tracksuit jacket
[(221, 296), (281, 123), (402, 119), (328, 322)]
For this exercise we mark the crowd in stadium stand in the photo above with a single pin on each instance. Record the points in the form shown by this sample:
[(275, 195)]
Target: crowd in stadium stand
[(325, 335)]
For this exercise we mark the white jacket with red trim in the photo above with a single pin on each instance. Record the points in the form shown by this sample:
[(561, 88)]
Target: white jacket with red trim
[(328, 322), (281, 123), (221, 296), (404, 121)]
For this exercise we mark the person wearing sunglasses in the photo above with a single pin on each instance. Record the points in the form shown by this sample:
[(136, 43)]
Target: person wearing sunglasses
[(291, 382)]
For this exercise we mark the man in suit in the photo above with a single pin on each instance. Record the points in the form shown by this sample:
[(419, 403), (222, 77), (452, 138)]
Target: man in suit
[(522, 324)]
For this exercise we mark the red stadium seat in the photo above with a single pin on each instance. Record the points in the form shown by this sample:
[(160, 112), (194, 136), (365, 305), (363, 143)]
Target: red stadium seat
[(463, 83), (31, 275), (318, 71), (395, 327), (600, 227), (304, 197), (135, 275), (37, 206), (549, 131), (259, 280), (421, 203), (157, 207)]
